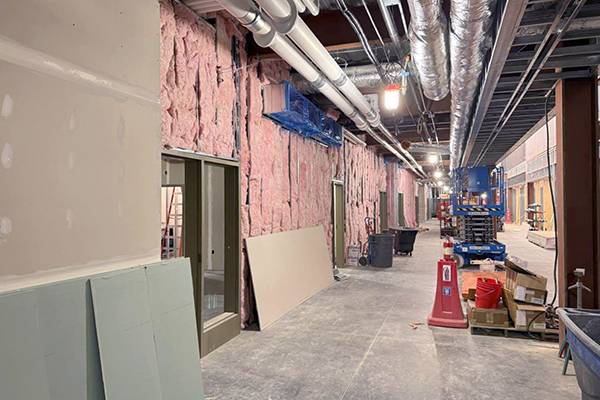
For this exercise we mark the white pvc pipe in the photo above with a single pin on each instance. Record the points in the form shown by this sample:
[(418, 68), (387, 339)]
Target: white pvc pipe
[(288, 52), (306, 40), (312, 6), (314, 49), (300, 5)]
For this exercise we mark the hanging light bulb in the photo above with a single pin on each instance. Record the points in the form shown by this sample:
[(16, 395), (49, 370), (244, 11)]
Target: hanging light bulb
[(437, 174), (433, 158), (391, 96)]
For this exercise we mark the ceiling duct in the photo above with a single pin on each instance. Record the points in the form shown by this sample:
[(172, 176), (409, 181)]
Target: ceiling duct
[(428, 35), (266, 35), (364, 77), (469, 35)]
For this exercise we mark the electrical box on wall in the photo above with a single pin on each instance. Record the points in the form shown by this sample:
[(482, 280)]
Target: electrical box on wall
[(291, 109)]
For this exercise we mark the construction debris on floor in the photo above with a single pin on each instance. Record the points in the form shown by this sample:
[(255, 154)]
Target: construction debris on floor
[(512, 299)]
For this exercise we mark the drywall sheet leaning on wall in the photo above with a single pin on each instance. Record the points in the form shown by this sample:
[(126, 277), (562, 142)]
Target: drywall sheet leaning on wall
[(125, 336), (48, 345), (171, 298), (287, 268), (147, 337), (49, 348)]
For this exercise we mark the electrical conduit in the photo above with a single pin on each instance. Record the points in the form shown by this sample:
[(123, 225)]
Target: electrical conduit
[(269, 34), (266, 36), (287, 22)]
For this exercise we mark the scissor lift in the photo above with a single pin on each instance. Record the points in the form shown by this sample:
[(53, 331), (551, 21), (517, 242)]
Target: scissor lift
[(477, 201)]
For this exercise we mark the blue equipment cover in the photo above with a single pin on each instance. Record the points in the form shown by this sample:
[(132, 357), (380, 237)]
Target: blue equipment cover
[(302, 116)]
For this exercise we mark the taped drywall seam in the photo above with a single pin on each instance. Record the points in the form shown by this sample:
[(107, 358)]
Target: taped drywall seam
[(15, 53)]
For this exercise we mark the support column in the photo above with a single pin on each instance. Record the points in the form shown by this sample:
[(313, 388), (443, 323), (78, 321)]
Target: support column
[(577, 188)]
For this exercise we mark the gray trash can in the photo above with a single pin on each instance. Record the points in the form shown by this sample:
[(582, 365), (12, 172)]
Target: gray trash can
[(381, 250)]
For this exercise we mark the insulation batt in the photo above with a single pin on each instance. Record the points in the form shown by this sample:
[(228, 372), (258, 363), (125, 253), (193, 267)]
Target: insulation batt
[(286, 180), (400, 180)]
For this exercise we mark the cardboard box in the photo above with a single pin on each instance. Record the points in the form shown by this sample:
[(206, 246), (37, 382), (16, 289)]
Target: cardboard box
[(492, 317), (522, 314), (525, 285)]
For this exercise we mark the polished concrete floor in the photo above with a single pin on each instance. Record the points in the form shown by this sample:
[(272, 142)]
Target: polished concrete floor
[(354, 341)]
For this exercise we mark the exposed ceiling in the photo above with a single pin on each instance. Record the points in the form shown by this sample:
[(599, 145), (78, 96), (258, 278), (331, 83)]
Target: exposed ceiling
[(529, 54), (528, 63)]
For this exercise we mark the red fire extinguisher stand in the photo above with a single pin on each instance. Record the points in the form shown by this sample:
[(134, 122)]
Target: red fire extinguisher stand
[(447, 311)]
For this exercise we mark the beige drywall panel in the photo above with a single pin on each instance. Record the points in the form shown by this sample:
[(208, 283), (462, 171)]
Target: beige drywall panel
[(287, 268), (79, 138)]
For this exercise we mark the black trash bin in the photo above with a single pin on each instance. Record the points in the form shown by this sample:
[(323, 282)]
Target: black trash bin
[(381, 250), (405, 241)]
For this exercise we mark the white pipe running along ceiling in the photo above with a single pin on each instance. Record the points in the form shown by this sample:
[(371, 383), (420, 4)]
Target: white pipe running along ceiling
[(330, 80)]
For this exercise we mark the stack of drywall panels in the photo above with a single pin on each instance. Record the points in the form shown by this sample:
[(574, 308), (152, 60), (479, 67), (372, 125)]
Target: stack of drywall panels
[(545, 239)]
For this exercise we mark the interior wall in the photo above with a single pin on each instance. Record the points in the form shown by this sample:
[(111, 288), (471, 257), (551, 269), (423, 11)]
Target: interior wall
[(400, 180), (79, 138), (544, 198), (286, 180)]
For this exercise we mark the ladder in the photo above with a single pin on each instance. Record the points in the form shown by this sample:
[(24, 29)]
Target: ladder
[(172, 223)]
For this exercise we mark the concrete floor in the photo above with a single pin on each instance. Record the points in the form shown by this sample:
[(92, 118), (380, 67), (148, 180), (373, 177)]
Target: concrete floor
[(353, 341)]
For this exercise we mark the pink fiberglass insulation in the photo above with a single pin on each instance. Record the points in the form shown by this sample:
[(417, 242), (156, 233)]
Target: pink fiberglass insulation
[(197, 90), (365, 177), (400, 180), (286, 180)]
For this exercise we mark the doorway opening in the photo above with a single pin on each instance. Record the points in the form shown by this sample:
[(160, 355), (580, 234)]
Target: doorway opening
[(383, 212), (417, 214), (339, 247), (401, 221), (200, 221)]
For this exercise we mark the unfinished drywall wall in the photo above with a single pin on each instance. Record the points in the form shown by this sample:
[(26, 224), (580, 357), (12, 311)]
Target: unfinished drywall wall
[(211, 100), (80, 133)]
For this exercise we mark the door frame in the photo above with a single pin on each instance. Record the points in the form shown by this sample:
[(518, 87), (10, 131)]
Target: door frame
[(400, 211), (339, 254), (384, 218), (417, 211), (226, 326)]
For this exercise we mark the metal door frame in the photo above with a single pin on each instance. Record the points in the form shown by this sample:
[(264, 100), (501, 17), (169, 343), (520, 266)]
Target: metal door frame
[(226, 326), (339, 255)]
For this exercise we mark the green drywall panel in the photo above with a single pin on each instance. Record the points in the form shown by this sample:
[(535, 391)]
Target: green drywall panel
[(67, 327), (125, 336), (22, 366), (147, 335), (171, 299), (48, 347)]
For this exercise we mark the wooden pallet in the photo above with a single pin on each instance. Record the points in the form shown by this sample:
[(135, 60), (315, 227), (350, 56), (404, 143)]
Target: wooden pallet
[(550, 335)]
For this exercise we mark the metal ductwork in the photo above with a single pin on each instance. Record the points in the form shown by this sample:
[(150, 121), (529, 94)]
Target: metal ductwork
[(271, 33), (390, 25), (364, 77), (469, 36), (428, 35)]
